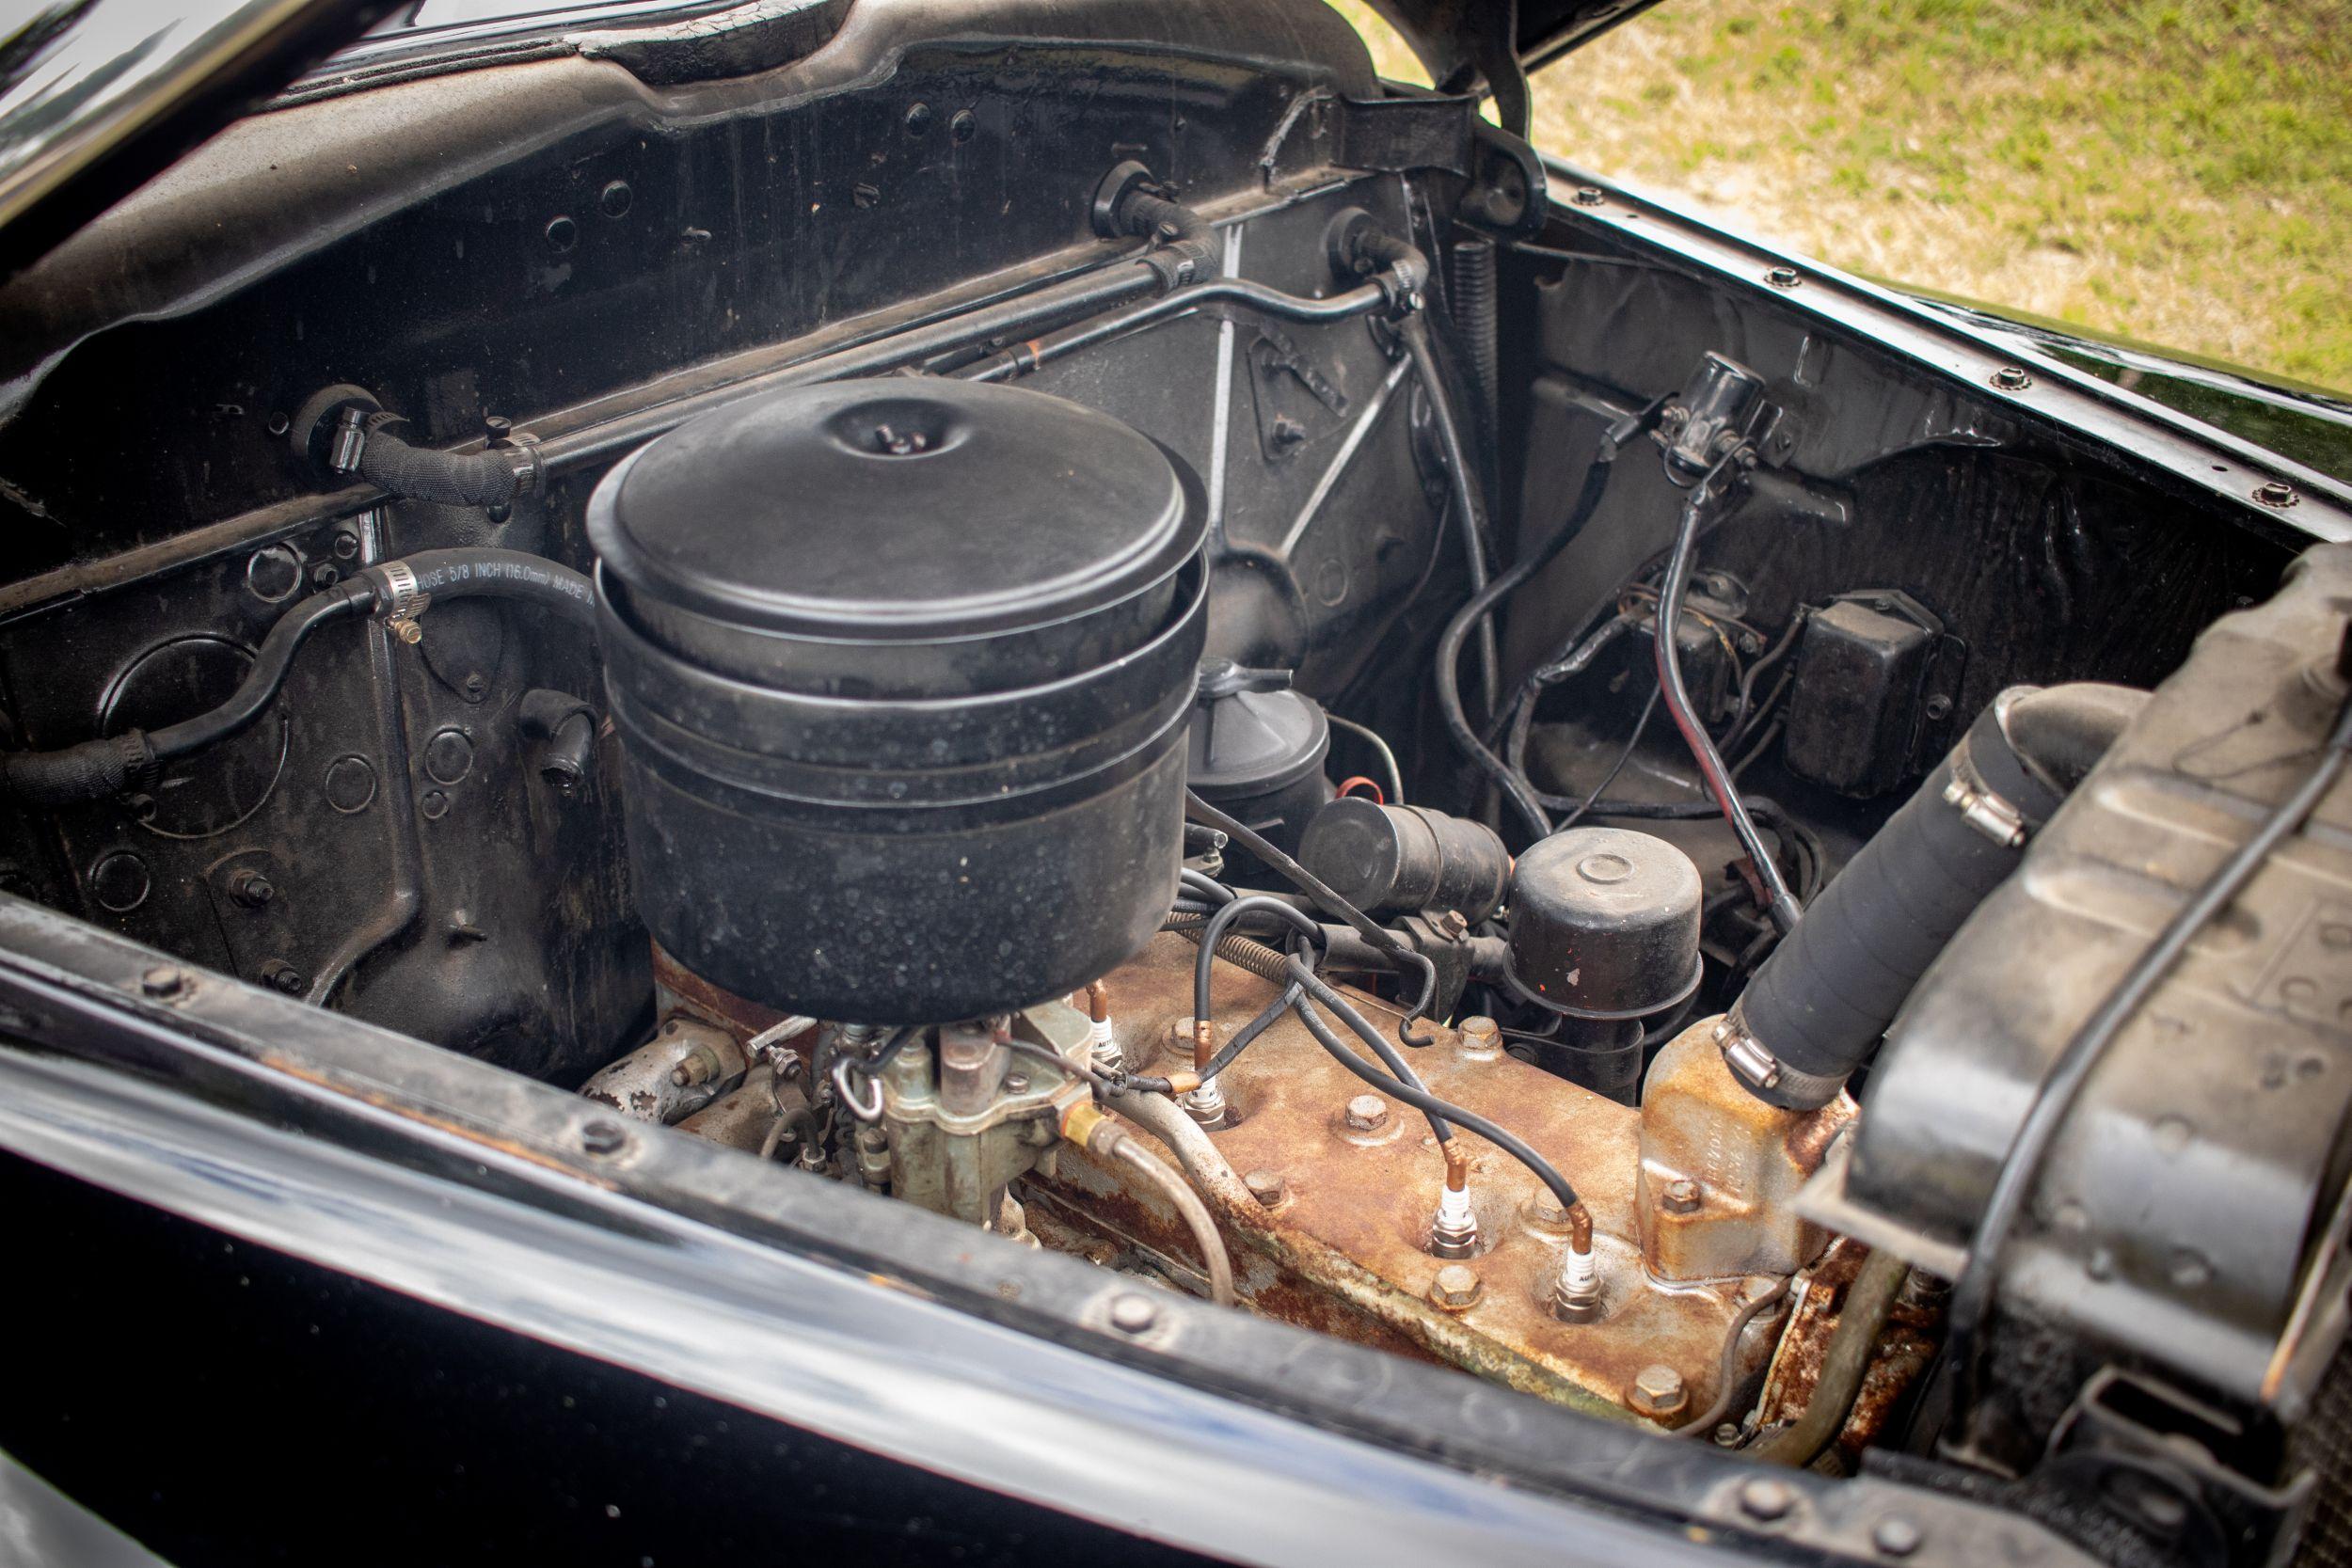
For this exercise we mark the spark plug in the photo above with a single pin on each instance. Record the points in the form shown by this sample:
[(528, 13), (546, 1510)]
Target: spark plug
[(1206, 1103), (1453, 1233), (1106, 1055), (1576, 1294)]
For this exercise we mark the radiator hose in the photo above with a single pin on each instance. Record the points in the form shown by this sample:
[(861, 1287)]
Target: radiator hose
[(1819, 1005), (397, 590)]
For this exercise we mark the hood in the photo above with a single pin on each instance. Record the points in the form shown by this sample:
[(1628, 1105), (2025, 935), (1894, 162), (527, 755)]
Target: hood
[(1494, 43), (97, 95)]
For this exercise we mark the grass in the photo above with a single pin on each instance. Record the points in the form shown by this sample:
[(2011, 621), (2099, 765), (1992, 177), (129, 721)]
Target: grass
[(2176, 171)]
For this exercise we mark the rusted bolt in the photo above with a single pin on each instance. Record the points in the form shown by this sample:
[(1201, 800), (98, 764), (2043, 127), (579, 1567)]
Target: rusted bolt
[(1766, 1499), (1785, 278), (603, 1137), (1133, 1314), (163, 982), (280, 975), (2270, 492), (1586, 196), (251, 889), (2012, 378), (1367, 1113), (1456, 1287), (1681, 1197), (1896, 1536), (1658, 1390), (1481, 1036), (1266, 1186)]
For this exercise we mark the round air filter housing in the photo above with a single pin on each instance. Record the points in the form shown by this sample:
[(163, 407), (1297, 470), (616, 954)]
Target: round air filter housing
[(900, 673)]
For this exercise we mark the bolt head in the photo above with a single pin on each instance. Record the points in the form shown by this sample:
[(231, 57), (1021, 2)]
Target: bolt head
[(1481, 1036), (1681, 1197), (1783, 278), (603, 1137), (1896, 1536), (1016, 1083), (1367, 1113), (1266, 1186), (2012, 378), (1133, 1314), (1586, 196), (2273, 493), (1767, 1499), (163, 982), (1658, 1390), (251, 889), (1456, 1287)]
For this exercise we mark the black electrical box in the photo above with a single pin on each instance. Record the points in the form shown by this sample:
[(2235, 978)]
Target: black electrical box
[(1861, 694)]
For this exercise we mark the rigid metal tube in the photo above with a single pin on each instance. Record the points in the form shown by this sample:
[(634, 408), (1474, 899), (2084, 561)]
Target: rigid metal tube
[(1869, 1300), (1187, 1203)]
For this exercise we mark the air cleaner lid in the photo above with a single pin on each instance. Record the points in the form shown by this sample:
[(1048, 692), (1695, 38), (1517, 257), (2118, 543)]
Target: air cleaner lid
[(894, 511)]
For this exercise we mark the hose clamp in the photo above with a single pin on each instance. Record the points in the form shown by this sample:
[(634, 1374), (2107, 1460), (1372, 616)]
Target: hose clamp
[(1766, 1075), (1982, 809), (404, 600)]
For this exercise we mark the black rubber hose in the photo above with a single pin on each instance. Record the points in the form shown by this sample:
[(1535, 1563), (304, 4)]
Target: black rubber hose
[(1821, 1002), (476, 573), (427, 474), (1469, 503), (1516, 789), (97, 769)]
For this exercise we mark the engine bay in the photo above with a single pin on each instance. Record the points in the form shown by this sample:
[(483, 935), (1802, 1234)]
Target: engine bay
[(1076, 618)]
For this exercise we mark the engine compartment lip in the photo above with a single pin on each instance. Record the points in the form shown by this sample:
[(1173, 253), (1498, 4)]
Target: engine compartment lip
[(2081, 409), (346, 1119)]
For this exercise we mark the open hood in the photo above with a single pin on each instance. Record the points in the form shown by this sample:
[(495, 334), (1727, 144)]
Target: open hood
[(97, 95), (1467, 43)]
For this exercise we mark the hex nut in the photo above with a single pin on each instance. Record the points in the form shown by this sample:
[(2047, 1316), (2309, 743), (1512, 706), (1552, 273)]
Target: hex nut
[(2012, 378), (1588, 196), (1455, 1288), (1785, 278), (1481, 1036), (1133, 1314), (1367, 1113), (1681, 1197), (603, 1137), (1657, 1389), (2272, 492), (1266, 1186)]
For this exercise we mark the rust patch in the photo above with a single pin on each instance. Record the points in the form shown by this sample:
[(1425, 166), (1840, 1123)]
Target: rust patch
[(1904, 1351), (408, 1111), (678, 988), (1346, 1251)]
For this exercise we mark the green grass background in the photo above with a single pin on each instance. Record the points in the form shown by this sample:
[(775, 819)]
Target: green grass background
[(2175, 170)]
